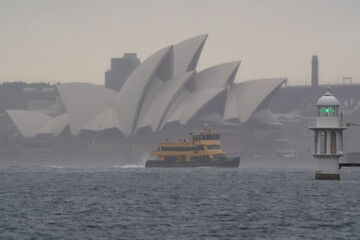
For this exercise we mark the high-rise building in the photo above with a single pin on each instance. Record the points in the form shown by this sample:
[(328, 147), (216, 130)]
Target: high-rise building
[(121, 68)]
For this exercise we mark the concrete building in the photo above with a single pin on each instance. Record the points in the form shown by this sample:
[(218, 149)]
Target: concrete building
[(121, 69), (164, 89)]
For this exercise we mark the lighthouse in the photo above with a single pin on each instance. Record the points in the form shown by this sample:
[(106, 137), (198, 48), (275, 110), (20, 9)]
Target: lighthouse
[(327, 129)]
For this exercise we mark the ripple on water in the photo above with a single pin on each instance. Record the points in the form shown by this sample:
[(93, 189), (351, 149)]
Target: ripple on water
[(139, 203)]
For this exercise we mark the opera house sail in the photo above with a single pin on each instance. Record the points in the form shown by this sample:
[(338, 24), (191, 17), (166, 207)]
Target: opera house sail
[(164, 96)]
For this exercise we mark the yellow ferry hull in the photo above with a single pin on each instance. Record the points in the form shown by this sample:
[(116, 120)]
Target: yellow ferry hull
[(223, 163)]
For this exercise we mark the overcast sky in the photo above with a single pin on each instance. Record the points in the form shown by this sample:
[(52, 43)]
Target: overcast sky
[(73, 40)]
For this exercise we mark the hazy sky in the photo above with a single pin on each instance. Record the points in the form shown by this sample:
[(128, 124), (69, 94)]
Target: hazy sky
[(73, 40)]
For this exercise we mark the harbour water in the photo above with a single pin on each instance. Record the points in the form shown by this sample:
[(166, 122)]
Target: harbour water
[(204, 203)]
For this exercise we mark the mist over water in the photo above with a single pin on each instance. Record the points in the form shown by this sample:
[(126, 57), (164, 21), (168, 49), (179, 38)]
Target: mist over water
[(204, 203)]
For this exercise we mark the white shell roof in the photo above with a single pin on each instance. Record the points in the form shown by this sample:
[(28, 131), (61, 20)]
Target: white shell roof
[(217, 76), (83, 102), (176, 109), (104, 120), (130, 98), (160, 105), (32, 123), (247, 96), (230, 111), (29, 123), (196, 101), (192, 104), (56, 125), (328, 100), (187, 53)]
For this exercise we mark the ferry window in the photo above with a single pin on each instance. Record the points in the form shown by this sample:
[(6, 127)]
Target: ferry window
[(213, 146)]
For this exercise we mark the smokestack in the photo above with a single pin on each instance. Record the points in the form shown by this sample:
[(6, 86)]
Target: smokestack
[(315, 72), (315, 79)]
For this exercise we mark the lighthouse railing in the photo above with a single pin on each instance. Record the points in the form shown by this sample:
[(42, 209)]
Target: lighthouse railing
[(326, 122)]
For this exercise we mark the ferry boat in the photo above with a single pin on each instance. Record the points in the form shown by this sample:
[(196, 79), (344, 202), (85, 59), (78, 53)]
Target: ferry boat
[(200, 150)]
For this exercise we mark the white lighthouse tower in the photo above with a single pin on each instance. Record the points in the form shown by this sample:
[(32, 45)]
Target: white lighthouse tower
[(327, 129)]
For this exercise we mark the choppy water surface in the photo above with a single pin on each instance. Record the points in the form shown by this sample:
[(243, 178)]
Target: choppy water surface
[(138, 203)]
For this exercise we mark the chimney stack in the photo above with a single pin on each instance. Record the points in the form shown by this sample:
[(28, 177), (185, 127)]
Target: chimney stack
[(315, 78)]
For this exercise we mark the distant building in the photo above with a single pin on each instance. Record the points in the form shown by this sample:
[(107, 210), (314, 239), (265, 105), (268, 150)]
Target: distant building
[(121, 68), (314, 79)]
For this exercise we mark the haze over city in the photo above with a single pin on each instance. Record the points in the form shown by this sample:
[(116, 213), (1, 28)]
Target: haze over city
[(73, 41)]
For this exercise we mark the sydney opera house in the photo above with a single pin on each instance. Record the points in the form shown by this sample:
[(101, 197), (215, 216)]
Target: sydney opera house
[(164, 97)]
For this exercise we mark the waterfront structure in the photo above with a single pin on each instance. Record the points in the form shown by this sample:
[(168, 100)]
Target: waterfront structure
[(164, 89), (328, 147)]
